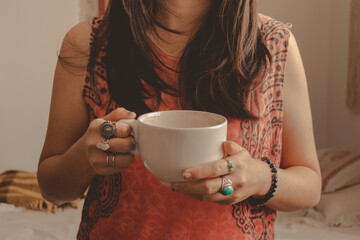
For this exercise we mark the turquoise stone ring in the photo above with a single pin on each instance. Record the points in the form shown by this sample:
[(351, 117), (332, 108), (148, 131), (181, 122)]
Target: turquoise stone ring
[(226, 186), (227, 191), (230, 164)]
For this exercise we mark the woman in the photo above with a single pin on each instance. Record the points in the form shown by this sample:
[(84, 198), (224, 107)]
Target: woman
[(218, 56)]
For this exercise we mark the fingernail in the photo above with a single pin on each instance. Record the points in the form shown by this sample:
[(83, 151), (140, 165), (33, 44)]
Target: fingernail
[(130, 112), (187, 176)]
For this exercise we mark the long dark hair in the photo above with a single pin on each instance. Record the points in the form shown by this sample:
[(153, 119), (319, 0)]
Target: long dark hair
[(219, 67)]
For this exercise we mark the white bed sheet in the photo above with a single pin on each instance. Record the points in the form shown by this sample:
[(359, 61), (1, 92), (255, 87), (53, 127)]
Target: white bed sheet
[(20, 224), (294, 226), (17, 224)]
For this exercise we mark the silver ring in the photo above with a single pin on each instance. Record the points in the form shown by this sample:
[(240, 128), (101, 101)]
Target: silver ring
[(103, 144), (133, 142), (226, 186), (107, 160), (230, 165), (113, 160), (107, 129)]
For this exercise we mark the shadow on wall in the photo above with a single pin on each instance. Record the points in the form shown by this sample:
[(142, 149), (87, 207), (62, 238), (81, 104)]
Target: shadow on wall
[(353, 88)]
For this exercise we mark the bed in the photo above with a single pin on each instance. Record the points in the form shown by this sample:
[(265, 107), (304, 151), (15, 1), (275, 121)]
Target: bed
[(20, 224), (17, 223), (336, 217), (298, 226)]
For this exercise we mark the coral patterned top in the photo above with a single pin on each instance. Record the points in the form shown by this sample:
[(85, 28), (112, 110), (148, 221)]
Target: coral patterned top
[(134, 205)]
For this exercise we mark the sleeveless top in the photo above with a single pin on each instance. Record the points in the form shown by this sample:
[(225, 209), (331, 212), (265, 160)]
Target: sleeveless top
[(133, 204)]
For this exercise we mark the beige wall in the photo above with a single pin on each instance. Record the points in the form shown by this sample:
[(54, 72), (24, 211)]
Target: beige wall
[(344, 125), (310, 21), (31, 34), (321, 30)]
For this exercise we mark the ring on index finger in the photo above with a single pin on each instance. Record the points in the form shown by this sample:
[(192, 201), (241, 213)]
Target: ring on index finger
[(108, 129)]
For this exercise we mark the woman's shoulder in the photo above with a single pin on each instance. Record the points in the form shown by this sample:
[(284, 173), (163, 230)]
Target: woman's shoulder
[(269, 26), (77, 39)]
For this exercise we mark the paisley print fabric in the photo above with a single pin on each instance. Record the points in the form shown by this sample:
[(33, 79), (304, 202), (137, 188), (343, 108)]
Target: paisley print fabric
[(134, 205)]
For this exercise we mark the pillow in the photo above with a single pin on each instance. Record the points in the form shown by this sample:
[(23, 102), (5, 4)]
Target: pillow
[(341, 208), (339, 168)]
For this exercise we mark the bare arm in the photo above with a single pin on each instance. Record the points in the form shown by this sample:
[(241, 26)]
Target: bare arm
[(69, 159), (299, 176), (68, 121)]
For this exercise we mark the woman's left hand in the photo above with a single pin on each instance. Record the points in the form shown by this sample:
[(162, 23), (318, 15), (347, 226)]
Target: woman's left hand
[(249, 177)]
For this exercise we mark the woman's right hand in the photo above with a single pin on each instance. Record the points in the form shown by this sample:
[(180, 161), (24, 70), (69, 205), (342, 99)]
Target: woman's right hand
[(117, 157)]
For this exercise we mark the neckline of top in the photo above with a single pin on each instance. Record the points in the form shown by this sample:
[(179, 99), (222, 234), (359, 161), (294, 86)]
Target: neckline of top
[(162, 53)]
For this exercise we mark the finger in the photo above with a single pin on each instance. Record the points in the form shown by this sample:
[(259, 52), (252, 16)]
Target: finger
[(219, 198), (215, 168), (209, 170), (119, 113), (121, 145), (237, 196), (113, 163), (202, 187), (122, 130), (210, 191), (119, 160), (231, 148)]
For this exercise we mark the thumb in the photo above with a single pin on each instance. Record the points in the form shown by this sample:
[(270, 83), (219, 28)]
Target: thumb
[(119, 113), (231, 148)]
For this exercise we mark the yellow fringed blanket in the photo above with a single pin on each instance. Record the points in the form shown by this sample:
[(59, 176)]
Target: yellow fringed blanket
[(22, 190)]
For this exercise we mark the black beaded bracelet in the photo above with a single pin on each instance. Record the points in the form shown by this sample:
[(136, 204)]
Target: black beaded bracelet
[(261, 201)]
